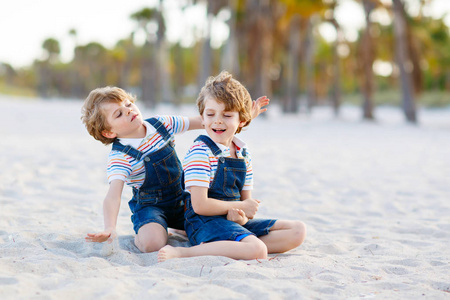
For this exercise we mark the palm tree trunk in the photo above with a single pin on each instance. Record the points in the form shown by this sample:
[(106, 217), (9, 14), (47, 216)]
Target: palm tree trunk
[(205, 70), (401, 51), (165, 94), (309, 66), (366, 60), (336, 85), (258, 47), (290, 105), (230, 55), (179, 74), (263, 83), (147, 76)]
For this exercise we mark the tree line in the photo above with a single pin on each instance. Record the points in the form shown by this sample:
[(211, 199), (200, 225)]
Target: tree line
[(274, 47)]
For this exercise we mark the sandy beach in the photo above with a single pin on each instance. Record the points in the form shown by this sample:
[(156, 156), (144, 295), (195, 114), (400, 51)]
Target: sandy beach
[(374, 196)]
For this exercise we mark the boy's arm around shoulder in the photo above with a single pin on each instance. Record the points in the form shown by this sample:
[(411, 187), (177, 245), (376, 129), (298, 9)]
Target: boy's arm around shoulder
[(195, 123), (205, 206), (111, 206)]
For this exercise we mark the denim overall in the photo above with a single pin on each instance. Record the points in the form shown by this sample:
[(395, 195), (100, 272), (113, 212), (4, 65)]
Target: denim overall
[(228, 182), (161, 197)]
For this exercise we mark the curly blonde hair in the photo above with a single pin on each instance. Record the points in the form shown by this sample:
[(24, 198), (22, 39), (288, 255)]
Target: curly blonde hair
[(227, 90), (92, 113)]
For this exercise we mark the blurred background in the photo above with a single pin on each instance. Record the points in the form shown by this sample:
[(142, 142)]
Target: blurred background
[(300, 53)]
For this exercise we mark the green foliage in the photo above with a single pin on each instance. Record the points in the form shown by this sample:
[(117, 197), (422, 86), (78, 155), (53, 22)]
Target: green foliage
[(95, 65), (8, 89), (435, 98), (144, 15), (392, 97)]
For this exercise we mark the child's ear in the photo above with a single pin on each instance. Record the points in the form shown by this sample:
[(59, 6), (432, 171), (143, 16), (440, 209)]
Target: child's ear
[(242, 123), (109, 134)]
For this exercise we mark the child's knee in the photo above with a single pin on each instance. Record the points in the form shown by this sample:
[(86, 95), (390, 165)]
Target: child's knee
[(259, 250), (299, 232), (149, 245)]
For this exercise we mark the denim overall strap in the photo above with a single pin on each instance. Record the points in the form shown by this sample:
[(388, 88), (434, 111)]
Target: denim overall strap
[(230, 175), (163, 181), (160, 128), (136, 154), (210, 143)]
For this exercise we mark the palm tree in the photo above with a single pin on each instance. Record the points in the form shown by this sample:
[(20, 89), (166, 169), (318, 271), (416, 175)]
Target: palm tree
[(230, 54), (45, 75), (366, 58), (335, 93), (124, 52), (8, 71), (52, 49), (76, 86), (148, 71), (309, 44), (293, 65), (336, 85), (212, 9), (162, 51), (403, 61), (301, 17), (259, 26)]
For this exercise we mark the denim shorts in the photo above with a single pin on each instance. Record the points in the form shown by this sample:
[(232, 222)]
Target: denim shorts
[(204, 229), (167, 215)]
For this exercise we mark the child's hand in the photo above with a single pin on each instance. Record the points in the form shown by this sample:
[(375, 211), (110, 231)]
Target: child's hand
[(257, 106), (100, 237), (237, 215), (250, 207)]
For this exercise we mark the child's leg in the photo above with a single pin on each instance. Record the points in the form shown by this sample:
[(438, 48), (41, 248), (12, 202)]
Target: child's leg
[(284, 235), (151, 237), (248, 248)]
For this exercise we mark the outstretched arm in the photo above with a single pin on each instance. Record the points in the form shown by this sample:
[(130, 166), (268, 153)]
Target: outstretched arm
[(111, 206)]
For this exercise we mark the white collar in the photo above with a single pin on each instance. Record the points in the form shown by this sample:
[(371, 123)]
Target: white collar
[(150, 128), (137, 142), (237, 141)]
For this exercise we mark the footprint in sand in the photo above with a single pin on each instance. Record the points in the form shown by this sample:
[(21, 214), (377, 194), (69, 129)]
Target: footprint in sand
[(396, 270)]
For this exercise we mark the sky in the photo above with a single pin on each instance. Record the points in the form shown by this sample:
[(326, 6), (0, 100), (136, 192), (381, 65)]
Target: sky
[(25, 24)]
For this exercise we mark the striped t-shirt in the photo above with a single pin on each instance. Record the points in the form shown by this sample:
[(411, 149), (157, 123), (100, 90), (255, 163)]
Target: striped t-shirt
[(124, 167), (200, 165)]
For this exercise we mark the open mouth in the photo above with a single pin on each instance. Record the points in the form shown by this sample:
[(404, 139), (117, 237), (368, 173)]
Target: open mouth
[(218, 130)]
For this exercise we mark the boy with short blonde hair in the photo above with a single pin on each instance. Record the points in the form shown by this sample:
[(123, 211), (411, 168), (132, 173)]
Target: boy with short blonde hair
[(92, 114), (218, 166)]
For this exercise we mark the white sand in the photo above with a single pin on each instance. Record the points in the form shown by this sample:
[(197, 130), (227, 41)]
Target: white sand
[(375, 198)]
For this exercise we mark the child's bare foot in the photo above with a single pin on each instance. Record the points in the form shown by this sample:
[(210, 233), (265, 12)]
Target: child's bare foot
[(167, 252)]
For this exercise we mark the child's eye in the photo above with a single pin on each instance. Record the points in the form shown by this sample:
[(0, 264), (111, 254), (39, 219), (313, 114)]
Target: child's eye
[(119, 114), (209, 115), (227, 116), (128, 104)]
